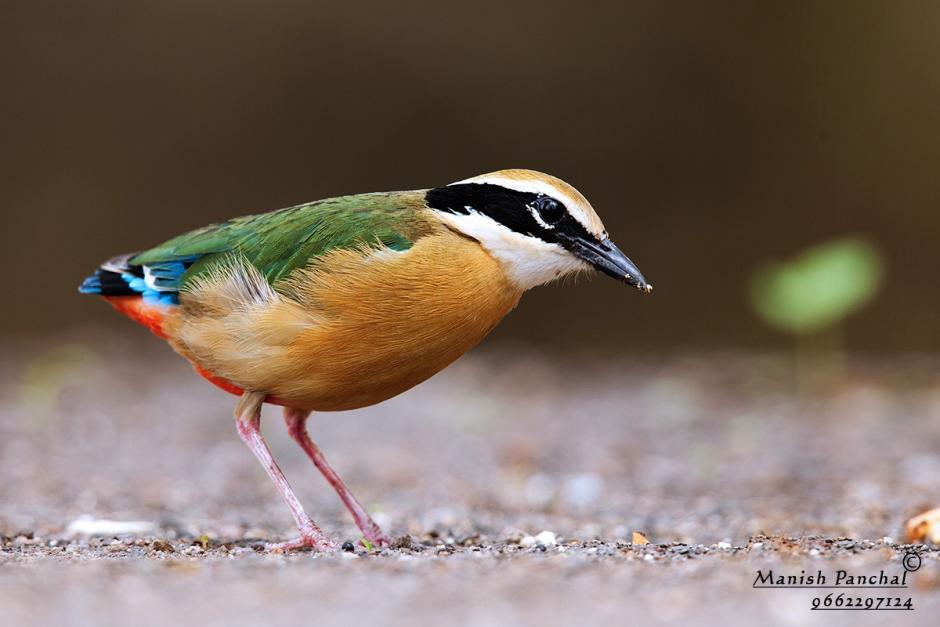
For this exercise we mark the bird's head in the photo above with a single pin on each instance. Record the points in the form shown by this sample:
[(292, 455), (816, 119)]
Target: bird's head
[(539, 227)]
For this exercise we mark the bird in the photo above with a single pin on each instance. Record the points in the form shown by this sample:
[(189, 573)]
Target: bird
[(346, 302)]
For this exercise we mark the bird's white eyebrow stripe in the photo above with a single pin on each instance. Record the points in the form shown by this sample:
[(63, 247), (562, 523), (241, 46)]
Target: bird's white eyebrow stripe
[(535, 186)]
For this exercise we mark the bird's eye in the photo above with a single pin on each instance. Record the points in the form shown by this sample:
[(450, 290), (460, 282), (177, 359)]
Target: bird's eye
[(550, 210)]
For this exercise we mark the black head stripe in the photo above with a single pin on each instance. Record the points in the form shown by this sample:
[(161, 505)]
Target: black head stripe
[(514, 209)]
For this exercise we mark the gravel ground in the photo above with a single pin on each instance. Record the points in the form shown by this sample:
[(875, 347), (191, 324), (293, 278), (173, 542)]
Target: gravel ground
[(712, 457)]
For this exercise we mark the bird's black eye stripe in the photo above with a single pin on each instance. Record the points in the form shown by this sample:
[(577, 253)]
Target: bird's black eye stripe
[(513, 209)]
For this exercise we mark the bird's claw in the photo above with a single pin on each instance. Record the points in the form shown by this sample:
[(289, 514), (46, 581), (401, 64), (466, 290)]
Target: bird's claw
[(372, 534), (309, 539), (320, 545)]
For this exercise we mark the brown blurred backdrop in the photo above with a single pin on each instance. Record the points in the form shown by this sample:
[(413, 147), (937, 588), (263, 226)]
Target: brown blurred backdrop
[(709, 136)]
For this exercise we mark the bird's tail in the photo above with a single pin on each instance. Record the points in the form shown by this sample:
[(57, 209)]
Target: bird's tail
[(115, 277), (125, 286)]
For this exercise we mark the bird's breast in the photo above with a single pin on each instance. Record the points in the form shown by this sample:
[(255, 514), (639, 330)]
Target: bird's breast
[(353, 329)]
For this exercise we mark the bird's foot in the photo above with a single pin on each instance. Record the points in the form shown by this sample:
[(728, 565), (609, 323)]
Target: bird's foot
[(372, 534), (310, 538), (318, 544)]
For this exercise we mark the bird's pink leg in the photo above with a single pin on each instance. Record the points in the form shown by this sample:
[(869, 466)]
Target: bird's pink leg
[(248, 421), (296, 420)]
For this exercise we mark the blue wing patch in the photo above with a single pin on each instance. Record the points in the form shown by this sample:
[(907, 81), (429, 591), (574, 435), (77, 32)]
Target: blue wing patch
[(157, 283)]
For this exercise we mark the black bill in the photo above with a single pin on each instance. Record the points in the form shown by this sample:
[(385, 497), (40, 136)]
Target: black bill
[(606, 257)]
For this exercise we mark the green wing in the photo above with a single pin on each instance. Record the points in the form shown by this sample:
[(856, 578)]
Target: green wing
[(279, 242)]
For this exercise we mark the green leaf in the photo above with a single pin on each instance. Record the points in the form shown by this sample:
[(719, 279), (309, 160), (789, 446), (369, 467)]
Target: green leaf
[(818, 288)]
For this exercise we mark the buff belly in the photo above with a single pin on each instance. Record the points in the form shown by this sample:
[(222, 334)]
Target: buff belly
[(355, 328)]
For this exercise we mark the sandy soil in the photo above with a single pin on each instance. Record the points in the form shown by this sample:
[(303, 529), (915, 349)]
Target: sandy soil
[(714, 458)]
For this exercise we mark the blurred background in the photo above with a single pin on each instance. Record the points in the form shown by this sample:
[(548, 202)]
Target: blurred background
[(713, 138)]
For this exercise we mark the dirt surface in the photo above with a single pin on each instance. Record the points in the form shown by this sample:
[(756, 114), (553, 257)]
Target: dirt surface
[(713, 458)]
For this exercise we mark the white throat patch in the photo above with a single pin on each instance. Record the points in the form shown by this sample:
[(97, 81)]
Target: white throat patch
[(527, 261)]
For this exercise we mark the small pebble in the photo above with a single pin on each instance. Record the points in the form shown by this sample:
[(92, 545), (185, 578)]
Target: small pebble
[(163, 546), (547, 538), (723, 545)]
